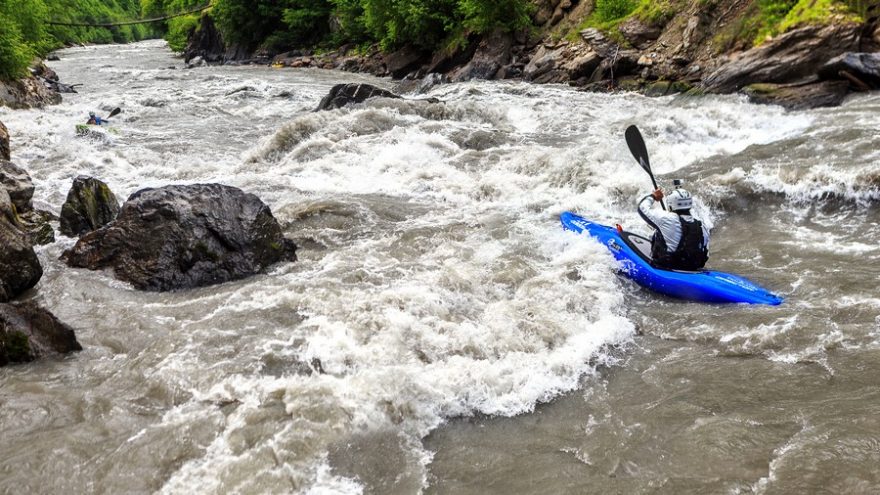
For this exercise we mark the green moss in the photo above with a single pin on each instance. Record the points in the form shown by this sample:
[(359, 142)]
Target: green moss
[(16, 345), (775, 17), (656, 13), (811, 12)]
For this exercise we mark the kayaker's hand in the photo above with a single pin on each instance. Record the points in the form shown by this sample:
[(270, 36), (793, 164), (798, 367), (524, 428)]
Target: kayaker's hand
[(657, 195)]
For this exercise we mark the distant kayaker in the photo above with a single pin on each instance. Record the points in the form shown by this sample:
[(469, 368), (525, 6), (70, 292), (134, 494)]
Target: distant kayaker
[(94, 119), (680, 241)]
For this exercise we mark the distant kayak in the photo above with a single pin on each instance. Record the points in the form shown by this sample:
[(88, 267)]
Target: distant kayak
[(95, 131), (633, 254)]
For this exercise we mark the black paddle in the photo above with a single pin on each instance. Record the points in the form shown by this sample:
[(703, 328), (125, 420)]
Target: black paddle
[(116, 111), (640, 153)]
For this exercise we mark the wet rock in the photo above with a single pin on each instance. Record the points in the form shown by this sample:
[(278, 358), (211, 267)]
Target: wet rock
[(205, 43), (4, 143), (864, 67), (19, 267), (29, 332), (346, 94), (799, 96), (789, 58), (37, 225), (403, 61), (185, 236), (90, 205), (543, 62), (664, 88), (18, 185), (492, 53)]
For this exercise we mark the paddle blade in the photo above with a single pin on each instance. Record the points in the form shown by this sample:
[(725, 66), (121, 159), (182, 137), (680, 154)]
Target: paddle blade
[(637, 147), (116, 111)]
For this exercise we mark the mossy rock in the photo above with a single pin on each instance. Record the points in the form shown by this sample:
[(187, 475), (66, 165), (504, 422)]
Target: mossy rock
[(90, 205)]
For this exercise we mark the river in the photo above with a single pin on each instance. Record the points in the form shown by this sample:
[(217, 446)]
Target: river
[(440, 332)]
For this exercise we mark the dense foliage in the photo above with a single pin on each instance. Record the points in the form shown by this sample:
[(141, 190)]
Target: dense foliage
[(281, 24), (25, 34)]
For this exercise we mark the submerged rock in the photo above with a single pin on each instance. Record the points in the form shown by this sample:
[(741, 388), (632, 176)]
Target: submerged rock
[(90, 205), (799, 96), (346, 94), (4, 143), (179, 237), (19, 267), (28, 332)]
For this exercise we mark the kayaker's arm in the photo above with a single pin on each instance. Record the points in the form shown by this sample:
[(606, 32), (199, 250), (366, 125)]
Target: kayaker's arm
[(659, 220)]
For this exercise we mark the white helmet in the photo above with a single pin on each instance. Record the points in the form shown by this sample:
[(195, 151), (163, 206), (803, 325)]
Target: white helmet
[(680, 199)]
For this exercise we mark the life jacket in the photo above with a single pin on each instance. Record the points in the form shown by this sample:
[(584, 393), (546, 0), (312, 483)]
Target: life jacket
[(690, 255)]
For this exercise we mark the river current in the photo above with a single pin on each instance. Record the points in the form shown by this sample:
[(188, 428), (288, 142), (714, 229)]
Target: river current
[(440, 332)]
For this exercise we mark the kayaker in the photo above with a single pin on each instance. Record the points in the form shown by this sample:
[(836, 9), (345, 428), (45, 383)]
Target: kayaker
[(94, 119), (680, 241)]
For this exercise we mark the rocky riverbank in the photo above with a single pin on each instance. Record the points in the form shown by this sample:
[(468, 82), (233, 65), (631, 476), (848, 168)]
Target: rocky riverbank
[(693, 49), (161, 239)]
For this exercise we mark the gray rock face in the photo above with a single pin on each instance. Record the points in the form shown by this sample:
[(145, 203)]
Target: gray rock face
[(28, 332), (4, 143), (90, 205), (865, 67), (345, 94), (19, 267), (638, 33), (18, 184), (492, 53), (401, 62), (179, 237), (789, 58)]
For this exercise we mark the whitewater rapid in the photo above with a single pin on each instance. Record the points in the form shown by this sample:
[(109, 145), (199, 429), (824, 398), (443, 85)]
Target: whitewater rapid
[(434, 280)]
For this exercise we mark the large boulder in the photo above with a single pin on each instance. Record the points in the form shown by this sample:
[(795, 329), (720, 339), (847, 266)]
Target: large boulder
[(90, 205), (401, 62), (205, 42), (28, 332), (788, 58), (18, 184), (4, 143), (863, 67), (19, 267), (179, 237), (492, 53), (346, 94)]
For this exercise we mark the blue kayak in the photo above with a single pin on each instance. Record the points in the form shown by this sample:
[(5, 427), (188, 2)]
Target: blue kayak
[(633, 254)]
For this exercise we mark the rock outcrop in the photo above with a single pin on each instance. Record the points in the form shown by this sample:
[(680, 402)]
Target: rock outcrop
[(789, 58), (20, 188), (28, 332), (90, 205), (4, 143), (346, 94), (861, 69), (28, 92), (179, 237), (18, 185), (19, 267)]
